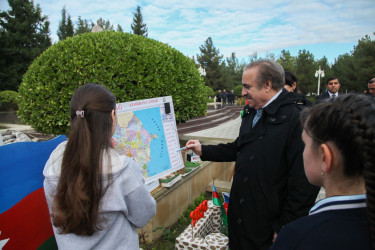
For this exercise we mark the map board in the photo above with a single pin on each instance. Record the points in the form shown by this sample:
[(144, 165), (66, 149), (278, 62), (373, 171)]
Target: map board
[(147, 132)]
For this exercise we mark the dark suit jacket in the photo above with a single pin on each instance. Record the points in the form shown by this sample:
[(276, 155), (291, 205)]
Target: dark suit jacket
[(269, 187), (322, 97)]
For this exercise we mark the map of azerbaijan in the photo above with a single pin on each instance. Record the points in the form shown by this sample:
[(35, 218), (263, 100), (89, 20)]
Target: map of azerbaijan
[(140, 135)]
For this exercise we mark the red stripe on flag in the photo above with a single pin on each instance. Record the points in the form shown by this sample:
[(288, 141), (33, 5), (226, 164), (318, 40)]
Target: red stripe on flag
[(215, 195), (27, 224)]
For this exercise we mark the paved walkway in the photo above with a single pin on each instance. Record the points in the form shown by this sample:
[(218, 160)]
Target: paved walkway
[(17, 127), (227, 132)]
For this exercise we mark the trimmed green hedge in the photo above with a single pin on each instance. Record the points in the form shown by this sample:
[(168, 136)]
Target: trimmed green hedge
[(238, 90), (132, 67), (8, 100), (210, 92)]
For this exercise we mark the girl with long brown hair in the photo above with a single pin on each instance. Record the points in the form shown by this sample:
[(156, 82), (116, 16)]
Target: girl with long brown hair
[(339, 137), (96, 197)]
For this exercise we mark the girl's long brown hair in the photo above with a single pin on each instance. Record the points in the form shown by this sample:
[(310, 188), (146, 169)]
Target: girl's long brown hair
[(80, 188)]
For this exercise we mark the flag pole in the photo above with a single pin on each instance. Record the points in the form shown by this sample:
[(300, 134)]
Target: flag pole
[(213, 184)]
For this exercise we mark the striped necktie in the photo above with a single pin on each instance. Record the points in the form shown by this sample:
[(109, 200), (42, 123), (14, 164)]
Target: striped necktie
[(257, 116)]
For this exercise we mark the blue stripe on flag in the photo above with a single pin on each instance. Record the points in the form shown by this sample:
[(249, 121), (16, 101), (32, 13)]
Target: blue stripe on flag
[(21, 169)]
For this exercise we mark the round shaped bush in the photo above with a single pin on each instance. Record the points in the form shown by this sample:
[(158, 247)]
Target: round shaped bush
[(238, 90), (132, 67), (210, 92), (8, 100)]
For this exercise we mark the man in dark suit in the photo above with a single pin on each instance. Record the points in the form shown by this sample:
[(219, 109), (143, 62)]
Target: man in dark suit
[(270, 188), (218, 96), (333, 87), (231, 97), (224, 97)]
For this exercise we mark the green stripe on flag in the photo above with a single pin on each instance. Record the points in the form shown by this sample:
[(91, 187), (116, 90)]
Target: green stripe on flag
[(216, 201), (49, 244)]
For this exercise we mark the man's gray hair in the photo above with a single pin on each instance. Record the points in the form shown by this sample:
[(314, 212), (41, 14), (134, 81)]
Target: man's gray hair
[(268, 70)]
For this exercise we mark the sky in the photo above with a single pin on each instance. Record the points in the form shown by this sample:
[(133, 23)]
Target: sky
[(323, 27)]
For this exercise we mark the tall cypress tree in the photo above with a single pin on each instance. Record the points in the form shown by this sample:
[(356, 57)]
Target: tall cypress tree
[(305, 71), (210, 61), (138, 27), (24, 34), (83, 26), (234, 71), (287, 61), (119, 28), (66, 28)]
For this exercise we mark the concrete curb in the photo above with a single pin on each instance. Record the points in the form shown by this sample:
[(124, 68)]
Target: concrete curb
[(17, 127)]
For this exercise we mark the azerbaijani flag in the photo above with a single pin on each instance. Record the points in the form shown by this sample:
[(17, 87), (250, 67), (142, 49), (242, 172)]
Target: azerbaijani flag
[(24, 217), (226, 201), (216, 201)]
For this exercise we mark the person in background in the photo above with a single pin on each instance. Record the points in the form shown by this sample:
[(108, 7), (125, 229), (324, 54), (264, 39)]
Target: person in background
[(290, 82), (339, 138), (219, 96), (291, 86), (333, 86), (231, 97), (270, 188), (224, 97), (371, 87), (96, 197)]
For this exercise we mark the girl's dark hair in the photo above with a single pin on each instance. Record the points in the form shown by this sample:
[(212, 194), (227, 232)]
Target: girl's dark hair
[(349, 122), (80, 188), (290, 78)]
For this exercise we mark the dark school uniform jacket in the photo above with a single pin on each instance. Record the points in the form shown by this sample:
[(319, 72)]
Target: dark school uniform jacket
[(270, 188), (334, 223)]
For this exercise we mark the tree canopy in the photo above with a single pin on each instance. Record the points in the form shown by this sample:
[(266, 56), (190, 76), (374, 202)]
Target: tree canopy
[(83, 26), (106, 24), (66, 28), (357, 68), (210, 61), (24, 34), (138, 27), (119, 28)]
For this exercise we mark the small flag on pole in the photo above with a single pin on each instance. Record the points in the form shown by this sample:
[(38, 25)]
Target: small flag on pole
[(226, 201), (216, 201)]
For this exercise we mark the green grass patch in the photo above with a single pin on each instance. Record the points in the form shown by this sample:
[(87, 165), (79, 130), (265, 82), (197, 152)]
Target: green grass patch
[(169, 178), (190, 166)]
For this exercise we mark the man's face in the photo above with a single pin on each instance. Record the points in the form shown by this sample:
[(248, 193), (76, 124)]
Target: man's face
[(371, 88), (333, 86), (256, 97)]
